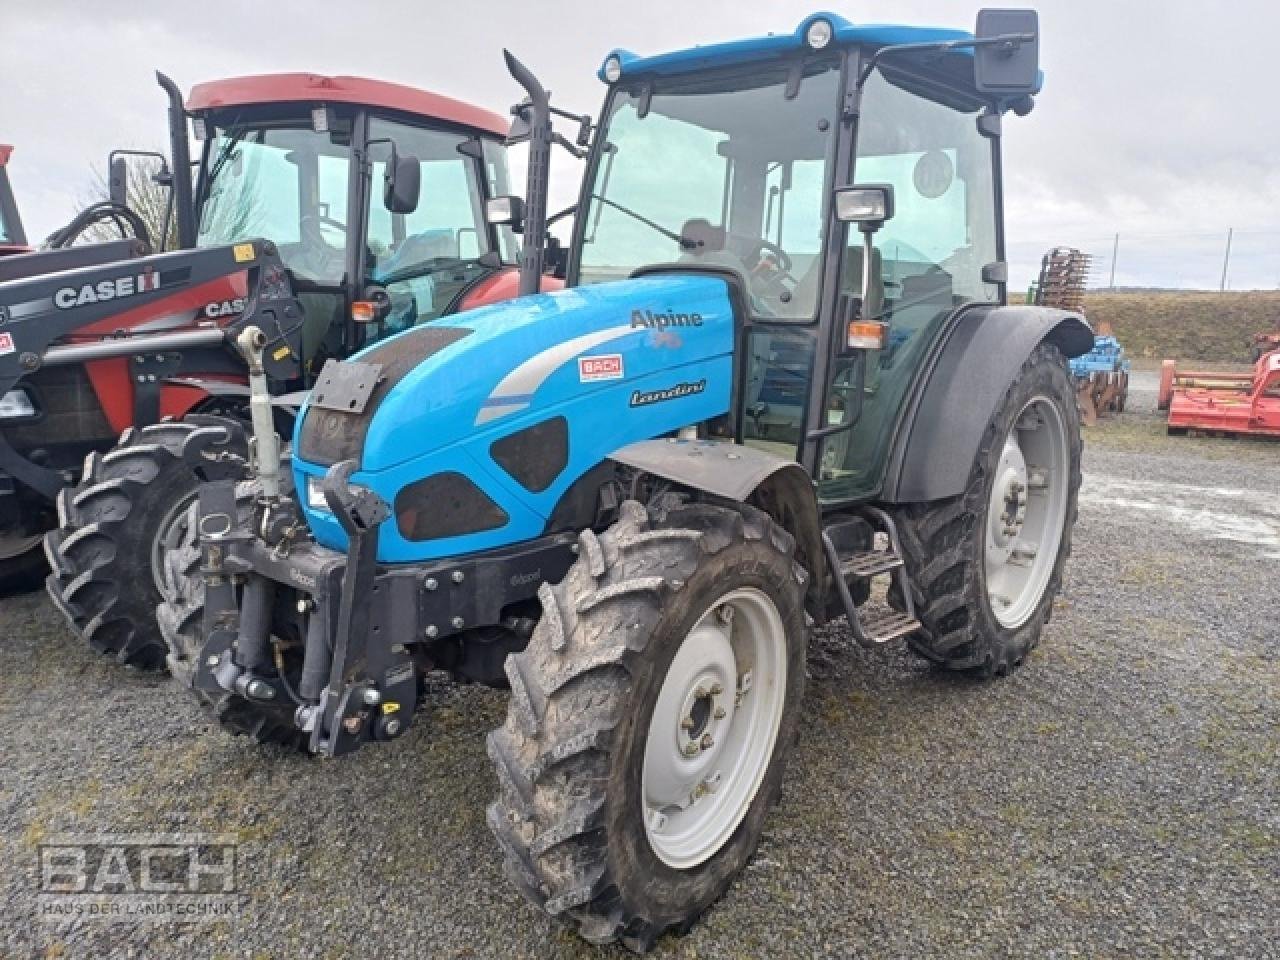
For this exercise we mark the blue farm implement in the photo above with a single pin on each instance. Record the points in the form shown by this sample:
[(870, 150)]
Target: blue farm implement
[(1102, 379), (1102, 374)]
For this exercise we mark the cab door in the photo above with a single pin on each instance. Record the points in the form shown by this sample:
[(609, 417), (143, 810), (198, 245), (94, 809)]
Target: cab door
[(927, 261)]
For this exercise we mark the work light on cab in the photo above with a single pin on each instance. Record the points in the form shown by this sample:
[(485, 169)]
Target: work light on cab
[(818, 35)]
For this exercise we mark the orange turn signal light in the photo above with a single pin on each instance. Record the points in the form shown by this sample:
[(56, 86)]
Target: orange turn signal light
[(867, 335), (364, 311)]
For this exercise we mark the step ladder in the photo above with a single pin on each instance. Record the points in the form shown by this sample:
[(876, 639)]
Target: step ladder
[(871, 628)]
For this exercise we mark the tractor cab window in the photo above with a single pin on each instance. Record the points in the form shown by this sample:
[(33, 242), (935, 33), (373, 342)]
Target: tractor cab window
[(926, 262), (287, 184), (426, 258), (726, 171)]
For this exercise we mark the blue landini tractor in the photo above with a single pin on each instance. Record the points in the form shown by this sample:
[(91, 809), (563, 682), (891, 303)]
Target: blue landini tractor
[(783, 367)]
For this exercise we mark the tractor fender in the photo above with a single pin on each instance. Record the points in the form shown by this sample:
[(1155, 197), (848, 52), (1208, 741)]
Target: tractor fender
[(959, 389), (781, 488)]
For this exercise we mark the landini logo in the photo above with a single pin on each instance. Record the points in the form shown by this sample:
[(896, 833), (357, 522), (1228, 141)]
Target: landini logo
[(647, 318), (642, 398)]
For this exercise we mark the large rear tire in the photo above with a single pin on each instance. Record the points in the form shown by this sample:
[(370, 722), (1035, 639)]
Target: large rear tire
[(650, 718), (115, 526), (986, 566)]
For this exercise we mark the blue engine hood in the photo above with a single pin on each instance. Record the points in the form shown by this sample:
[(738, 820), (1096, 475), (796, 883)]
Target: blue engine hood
[(621, 362)]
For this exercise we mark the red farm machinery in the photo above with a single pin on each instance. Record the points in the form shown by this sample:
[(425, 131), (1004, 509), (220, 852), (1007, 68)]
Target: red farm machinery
[(1245, 404)]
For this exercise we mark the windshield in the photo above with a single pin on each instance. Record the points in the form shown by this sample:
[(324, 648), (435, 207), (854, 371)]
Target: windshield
[(427, 257), (285, 184), (728, 172)]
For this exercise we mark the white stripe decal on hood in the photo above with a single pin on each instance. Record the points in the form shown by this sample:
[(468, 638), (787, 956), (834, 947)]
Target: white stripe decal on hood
[(515, 391)]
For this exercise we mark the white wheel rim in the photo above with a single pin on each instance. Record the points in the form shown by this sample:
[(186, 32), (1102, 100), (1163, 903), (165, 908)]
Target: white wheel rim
[(714, 727), (1026, 512)]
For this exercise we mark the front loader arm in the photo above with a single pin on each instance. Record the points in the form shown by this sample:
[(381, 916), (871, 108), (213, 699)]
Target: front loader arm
[(140, 306)]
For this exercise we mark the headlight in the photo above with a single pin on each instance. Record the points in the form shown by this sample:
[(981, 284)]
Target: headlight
[(16, 405), (315, 493), (819, 34), (613, 69)]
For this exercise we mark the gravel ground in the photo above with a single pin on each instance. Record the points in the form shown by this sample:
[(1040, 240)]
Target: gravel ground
[(1118, 796)]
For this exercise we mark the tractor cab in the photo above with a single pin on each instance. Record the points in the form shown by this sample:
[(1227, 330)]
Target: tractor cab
[(748, 156), (372, 193)]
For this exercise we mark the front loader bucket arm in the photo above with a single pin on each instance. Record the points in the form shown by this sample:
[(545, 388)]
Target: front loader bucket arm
[(87, 314)]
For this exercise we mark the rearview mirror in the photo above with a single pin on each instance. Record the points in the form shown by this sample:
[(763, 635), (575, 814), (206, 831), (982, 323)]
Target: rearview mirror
[(402, 183), (118, 182), (1007, 57)]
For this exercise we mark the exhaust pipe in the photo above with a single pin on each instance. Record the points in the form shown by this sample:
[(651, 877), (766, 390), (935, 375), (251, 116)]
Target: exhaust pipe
[(180, 155), (533, 250)]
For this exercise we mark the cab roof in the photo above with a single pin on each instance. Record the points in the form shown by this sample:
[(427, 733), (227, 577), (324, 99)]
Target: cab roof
[(272, 88), (773, 46)]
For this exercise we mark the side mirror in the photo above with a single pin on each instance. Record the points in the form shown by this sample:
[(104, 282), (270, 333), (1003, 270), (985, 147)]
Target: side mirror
[(505, 211), (118, 182), (1007, 56), (868, 205), (402, 183)]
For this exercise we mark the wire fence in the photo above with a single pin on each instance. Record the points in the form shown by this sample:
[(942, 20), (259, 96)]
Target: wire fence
[(1224, 260)]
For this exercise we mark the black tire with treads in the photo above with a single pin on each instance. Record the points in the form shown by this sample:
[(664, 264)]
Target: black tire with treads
[(569, 814), (943, 541), (100, 553), (180, 615)]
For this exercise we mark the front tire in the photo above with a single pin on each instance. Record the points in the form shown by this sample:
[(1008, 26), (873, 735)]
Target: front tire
[(180, 616), (631, 689), (115, 526), (986, 565)]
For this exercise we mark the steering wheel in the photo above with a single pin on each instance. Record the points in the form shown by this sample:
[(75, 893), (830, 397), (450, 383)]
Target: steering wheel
[(781, 260), (768, 265)]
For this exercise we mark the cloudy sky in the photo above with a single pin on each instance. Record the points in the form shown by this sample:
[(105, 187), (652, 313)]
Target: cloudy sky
[(1158, 119)]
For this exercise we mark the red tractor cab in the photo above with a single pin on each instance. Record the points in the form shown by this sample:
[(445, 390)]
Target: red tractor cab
[(373, 195)]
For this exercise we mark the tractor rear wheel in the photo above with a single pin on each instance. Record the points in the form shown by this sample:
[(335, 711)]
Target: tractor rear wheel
[(650, 718), (115, 526), (986, 565), (180, 616)]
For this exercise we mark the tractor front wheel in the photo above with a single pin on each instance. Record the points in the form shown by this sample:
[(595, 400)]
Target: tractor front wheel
[(115, 527), (180, 616), (986, 565), (650, 718)]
